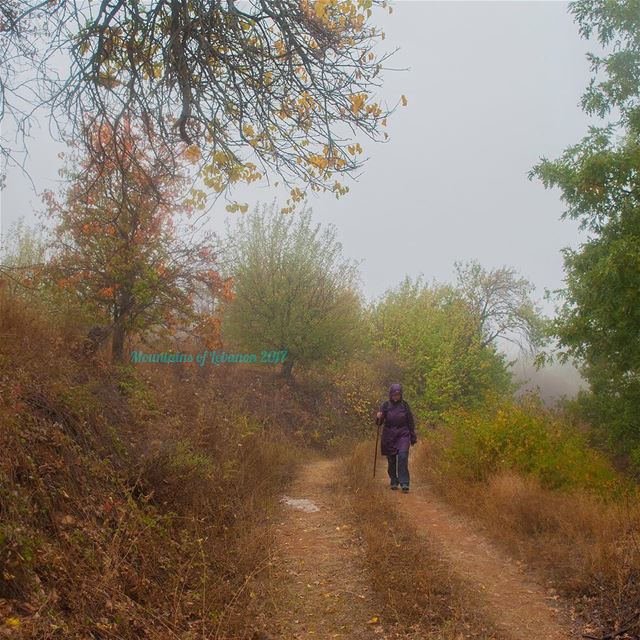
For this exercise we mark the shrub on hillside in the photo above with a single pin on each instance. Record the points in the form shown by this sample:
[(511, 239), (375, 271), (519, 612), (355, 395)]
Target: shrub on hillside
[(527, 438)]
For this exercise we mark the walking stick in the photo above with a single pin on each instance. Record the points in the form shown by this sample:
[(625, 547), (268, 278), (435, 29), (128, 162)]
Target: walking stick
[(375, 453)]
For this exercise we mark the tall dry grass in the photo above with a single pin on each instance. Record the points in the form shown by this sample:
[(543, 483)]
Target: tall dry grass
[(585, 542), (131, 505)]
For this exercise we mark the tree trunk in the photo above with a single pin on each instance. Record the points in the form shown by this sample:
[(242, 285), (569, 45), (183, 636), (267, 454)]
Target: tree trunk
[(121, 314), (287, 365), (117, 342)]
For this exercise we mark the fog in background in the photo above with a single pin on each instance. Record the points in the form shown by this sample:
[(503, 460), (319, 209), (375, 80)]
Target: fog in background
[(491, 88)]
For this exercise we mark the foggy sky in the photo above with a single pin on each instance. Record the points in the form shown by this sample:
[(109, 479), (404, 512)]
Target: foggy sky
[(491, 87)]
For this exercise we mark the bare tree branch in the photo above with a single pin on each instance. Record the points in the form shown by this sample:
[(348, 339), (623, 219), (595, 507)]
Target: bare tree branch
[(284, 83)]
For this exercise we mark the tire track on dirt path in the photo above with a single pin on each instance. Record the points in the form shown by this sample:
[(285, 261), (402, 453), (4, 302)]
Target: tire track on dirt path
[(323, 577), (518, 605)]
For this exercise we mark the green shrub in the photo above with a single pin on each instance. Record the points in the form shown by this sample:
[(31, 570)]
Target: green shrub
[(529, 439)]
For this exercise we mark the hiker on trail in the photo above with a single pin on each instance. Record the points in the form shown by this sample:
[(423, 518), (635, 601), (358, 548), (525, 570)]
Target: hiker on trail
[(398, 434)]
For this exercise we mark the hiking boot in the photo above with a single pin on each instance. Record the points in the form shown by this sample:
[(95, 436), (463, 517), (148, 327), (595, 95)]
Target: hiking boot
[(405, 488), (394, 487)]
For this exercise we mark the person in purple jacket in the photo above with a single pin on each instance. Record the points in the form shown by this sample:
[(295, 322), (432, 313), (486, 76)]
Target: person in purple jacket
[(398, 434)]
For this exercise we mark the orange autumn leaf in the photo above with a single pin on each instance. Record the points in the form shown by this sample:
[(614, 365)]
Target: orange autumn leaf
[(192, 153)]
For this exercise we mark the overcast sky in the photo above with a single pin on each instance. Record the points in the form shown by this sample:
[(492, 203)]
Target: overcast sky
[(491, 87)]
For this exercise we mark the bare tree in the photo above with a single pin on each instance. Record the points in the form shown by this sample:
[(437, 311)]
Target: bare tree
[(502, 305)]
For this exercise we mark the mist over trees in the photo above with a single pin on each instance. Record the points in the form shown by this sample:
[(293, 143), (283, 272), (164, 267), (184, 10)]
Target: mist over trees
[(502, 304)]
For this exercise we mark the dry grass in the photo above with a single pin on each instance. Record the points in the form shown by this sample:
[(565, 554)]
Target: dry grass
[(588, 546), (129, 507), (419, 591)]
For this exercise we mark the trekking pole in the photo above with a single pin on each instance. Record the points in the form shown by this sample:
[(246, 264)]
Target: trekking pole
[(375, 453)]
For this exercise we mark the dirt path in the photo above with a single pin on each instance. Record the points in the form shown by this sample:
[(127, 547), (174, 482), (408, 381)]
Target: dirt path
[(518, 606), (322, 567), (323, 580)]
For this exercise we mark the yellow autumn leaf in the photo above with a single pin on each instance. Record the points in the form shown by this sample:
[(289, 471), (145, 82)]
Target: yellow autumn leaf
[(12, 622), (374, 620), (357, 101), (404, 100), (321, 7), (318, 161)]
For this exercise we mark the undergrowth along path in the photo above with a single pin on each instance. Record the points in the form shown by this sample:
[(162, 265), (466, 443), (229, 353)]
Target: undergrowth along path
[(519, 605)]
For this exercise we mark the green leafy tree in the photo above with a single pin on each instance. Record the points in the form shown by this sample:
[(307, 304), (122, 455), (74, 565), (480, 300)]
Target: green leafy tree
[(293, 290), (598, 321), (434, 335), (23, 252)]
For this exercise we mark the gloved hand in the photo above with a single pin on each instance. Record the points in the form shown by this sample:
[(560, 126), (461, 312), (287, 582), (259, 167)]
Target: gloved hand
[(414, 440)]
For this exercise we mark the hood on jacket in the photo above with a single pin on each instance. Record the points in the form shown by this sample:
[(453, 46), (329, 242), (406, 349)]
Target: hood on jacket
[(395, 388)]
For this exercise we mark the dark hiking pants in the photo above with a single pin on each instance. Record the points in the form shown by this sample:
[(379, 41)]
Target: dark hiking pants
[(398, 468)]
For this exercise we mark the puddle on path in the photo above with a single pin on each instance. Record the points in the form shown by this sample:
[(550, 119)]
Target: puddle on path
[(304, 504)]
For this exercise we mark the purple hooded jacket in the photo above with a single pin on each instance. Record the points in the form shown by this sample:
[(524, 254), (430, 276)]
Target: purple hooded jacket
[(399, 431)]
